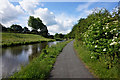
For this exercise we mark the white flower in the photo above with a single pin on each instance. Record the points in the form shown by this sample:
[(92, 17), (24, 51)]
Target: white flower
[(92, 57), (104, 49), (96, 46), (83, 42), (103, 28), (111, 31), (114, 29), (106, 27), (117, 34), (114, 43), (92, 53), (106, 33), (119, 49), (98, 21), (108, 16), (113, 39)]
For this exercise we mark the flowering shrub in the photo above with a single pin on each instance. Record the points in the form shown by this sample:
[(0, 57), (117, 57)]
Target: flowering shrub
[(103, 38)]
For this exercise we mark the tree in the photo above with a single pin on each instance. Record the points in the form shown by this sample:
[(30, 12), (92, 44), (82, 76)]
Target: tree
[(26, 30), (36, 24), (60, 36), (16, 28)]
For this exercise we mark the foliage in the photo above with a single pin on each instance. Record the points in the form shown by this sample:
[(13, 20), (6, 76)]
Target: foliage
[(97, 67), (59, 36), (26, 30), (36, 24), (16, 28), (41, 66), (100, 33), (10, 39)]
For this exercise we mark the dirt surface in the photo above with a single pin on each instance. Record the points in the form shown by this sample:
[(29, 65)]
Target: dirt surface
[(68, 65)]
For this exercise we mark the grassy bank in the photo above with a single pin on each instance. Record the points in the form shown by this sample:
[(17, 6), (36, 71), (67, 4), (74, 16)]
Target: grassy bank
[(97, 67), (11, 39), (41, 66)]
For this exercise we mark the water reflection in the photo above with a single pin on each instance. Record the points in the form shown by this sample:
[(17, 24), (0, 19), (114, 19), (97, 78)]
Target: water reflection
[(14, 57)]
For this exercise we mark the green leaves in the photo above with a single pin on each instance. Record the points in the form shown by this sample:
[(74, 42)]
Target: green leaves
[(100, 33)]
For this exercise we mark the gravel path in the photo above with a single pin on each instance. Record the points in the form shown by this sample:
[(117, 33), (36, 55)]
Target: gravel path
[(68, 65)]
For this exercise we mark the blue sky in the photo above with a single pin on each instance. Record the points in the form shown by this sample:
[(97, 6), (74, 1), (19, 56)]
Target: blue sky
[(58, 16)]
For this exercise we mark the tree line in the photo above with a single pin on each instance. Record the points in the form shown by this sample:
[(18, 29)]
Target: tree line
[(100, 33), (35, 23), (37, 28)]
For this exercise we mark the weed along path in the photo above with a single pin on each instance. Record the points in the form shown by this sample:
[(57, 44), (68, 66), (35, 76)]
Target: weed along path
[(68, 65)]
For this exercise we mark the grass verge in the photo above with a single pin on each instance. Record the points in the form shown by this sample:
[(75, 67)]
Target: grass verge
[(13, 39), (95, 66), (40, 67)]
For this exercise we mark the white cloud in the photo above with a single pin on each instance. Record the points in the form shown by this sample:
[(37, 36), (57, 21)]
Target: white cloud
[(45, 15), (29, 5), (64, 24), (84, 8), (19, 14), (9, 13)]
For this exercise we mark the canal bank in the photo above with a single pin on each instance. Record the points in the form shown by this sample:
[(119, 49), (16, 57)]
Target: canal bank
[(40, 67), (16, 39), (16, 56)]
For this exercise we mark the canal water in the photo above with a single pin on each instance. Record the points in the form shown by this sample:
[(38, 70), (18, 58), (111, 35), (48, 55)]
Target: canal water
[(15, 57)]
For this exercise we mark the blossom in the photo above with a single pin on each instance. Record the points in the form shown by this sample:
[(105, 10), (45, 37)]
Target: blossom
[(103, 28), (117, 34), (114, 43), (104, 49), (106, 33), (119, 49), (119, 42), (113, 39), (95, 46), (92, 57), (111, 31), (108, 16), (106, 27), (114, 29), (92, 53)]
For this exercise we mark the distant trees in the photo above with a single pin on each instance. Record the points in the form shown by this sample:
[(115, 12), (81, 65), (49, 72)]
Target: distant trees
[(16, 28), (59, 36), (37, 28), (26, 30), (36, 25)]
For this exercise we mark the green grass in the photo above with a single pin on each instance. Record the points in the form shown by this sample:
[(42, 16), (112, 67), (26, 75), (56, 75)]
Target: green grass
[(40, 67), (95, 66), (10, 39)]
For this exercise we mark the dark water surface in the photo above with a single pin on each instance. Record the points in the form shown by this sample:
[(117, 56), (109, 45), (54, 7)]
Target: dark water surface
[(15, 57)]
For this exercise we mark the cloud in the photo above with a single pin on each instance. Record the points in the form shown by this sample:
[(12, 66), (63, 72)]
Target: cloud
[(9, 13), (19, 14), (45, 15), (29, 5), (84, 8), (64, 24)]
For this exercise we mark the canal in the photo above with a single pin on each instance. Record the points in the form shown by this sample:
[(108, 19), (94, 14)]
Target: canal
[(15, 57)]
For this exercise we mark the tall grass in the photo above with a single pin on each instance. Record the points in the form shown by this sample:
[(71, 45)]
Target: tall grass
[(96, 66), (41, 66), (10, 39)]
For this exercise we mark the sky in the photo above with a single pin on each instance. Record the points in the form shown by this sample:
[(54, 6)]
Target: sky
[(59, 17)]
